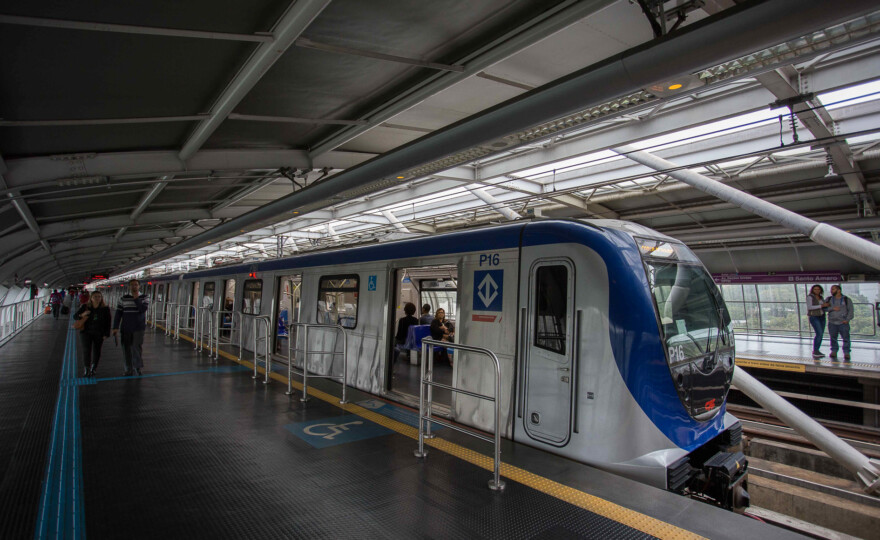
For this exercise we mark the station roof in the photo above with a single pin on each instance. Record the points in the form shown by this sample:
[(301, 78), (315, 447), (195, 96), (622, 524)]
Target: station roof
[(181, 135)]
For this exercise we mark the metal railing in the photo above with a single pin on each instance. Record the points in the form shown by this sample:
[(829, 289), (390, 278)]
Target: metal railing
[(203, 316), (267, 358), (218, 326), (177, 324), (304, 372), (426, 403), (171, 308), (159, 314), (14, 317)]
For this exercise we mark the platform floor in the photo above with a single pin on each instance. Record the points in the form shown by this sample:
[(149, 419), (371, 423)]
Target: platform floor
[(796, 354), (198, 449)]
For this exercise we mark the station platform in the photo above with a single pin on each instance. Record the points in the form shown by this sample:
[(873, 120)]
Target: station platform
[(197, 448), (796, 355)]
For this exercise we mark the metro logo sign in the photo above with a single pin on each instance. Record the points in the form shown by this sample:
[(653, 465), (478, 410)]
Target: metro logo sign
[(488, 290)]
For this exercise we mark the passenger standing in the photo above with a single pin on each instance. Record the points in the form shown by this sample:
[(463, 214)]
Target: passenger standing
[(96, 328), (66, 304), (426, 317), (131, 316), (55, 302), (816, 311), (84, 297), (840, 313)]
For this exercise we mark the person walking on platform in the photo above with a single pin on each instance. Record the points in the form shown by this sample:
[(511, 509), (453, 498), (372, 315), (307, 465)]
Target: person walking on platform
[(84, 297), (55, 302), (95, 327), (816, 312), (131, 316), (840, 313)]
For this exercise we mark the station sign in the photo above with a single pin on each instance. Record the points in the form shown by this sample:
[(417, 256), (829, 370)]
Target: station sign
[(829, 276)]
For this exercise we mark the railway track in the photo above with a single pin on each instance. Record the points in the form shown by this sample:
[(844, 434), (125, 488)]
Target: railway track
[(760, 423)]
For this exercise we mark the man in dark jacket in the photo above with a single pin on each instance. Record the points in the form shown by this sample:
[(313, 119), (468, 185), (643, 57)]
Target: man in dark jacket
[(55, 301), (131, 316)]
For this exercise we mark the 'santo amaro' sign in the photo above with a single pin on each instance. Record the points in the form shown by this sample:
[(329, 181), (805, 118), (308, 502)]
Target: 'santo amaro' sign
[(779, 277)]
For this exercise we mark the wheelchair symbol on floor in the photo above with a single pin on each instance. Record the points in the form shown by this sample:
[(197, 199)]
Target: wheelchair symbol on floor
[(329, 430)]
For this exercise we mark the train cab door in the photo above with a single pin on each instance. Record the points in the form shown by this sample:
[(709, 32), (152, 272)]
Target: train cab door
[(547, 363)]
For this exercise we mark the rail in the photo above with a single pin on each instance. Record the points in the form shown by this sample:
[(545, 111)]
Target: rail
[(426, 383), (169, 317), (304, 373), (14, 317), (159, 315), (267, 358), (177, 326), (218, 325), (203, 316)]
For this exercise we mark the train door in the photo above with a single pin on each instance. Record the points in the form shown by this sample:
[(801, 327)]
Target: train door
[(193, 304), (228, 306), (289, 301), (547, 363)]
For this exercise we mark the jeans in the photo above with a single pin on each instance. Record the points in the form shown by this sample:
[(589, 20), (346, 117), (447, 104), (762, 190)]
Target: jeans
[(91, 346), (132, 347), (843, 330), (818, 324)]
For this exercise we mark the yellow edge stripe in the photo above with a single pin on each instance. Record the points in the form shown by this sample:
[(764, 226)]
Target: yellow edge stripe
[(597, 505)]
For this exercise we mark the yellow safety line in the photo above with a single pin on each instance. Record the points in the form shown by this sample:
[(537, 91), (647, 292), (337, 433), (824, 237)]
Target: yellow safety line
[(597, 505)]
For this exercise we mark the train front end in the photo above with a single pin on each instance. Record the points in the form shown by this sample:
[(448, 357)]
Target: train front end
[(697, 334)]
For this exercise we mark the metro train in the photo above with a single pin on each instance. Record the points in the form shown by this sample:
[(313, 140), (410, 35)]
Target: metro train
[(616, 347)]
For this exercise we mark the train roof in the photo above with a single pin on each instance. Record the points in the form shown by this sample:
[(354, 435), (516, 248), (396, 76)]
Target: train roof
[(489, 237)]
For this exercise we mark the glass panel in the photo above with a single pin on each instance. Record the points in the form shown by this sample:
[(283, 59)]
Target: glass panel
[(252, 297), (337, 300), (229, 295), (732, 293), (753, 315), (551, 307), (289, 303)]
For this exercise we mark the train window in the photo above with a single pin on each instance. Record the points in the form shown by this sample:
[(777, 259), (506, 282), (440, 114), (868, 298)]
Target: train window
[(229, 295), (289, 305), (439, 294), (551, 295), (160, 293), (252, 297), (338, 300), (208, 295)]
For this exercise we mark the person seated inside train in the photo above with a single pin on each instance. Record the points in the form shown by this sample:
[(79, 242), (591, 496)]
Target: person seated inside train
[(426, 316), (403, 325), (442, 330)]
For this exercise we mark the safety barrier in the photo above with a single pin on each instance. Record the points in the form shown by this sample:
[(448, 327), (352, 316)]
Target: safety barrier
[(203, 316), (171, 308), (14, 317), (177, 323), (218, 325), (159, 314), (266, 322), (304, 373), (426, 403)]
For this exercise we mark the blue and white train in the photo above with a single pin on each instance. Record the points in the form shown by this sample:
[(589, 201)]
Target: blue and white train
[(616, 348)]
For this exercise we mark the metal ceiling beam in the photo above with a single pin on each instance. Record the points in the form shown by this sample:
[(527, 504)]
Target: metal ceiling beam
[(745, 29), (831, 237), (496, 205), (295, 120), (33, 172), (392, 219), (553, 20), (132, 29), (290, 26), (351, 51), (814, 115), (102, 121)]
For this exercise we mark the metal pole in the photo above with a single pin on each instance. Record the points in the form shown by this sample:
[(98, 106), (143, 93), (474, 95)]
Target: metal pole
[(196, 331), (240, 335), (216, 338), (823, 234), (305, 365), (256, 356), (496, 484), (420, 451), (430, 404), (343, 401), (289, 359), (866, 470), (268, 359)]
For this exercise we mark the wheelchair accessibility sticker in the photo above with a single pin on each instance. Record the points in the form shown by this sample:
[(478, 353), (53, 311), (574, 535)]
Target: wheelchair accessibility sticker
[(336, 430), (371, 283)]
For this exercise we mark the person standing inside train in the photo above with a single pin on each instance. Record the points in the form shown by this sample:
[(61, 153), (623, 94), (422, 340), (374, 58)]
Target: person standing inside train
[(840, 313), (131, 317), (816, 312), (95, 328)]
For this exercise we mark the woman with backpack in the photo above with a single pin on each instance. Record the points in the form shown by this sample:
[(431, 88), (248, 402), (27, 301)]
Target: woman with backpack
[(93, 321)]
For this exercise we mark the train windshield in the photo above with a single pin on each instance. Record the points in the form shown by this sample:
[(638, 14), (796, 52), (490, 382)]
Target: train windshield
[(693, 318)]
